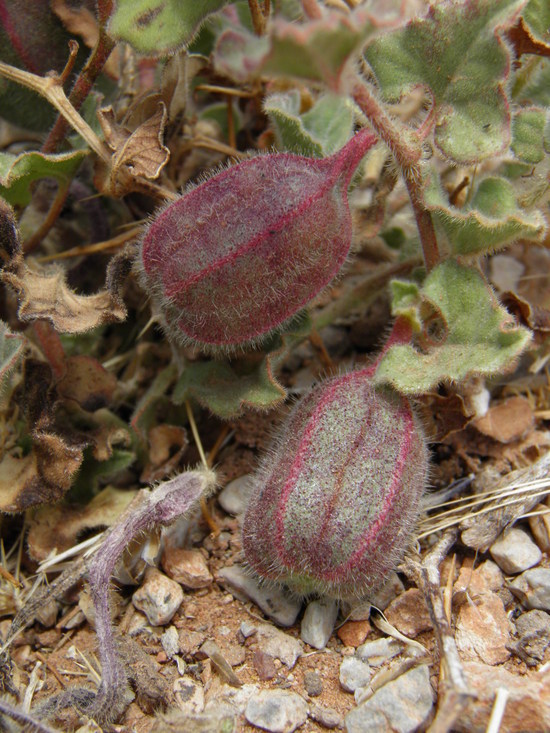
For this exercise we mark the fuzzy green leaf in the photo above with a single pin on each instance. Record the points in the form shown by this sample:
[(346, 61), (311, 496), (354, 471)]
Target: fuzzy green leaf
[(220, 388), (475, 335), (319, 50), (528, 135), (537, 19), (491, 220), (456, 53), (144, 414), (17, 172), (11, 347), (319, 132), (160, 27)]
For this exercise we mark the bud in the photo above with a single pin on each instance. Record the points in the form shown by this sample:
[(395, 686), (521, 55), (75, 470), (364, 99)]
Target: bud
[(334, 505), (239, 255)]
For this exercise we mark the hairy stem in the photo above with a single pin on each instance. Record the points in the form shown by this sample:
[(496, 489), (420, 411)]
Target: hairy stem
[(149, 509), (82, 87), (258, 18), (407, 151)]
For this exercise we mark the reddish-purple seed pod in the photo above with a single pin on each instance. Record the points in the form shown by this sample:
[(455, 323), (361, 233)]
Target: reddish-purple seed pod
[(333, 507), (239, 255)]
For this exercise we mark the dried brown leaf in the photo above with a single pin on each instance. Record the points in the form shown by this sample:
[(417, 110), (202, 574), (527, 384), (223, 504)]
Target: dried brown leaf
[(507, 421), (60, 527), (43, 292), (138, 154), (87, 382), (167, 444), (45, 474)]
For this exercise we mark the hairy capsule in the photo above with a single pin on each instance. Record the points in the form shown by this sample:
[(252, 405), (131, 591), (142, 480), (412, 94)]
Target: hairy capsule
[(333, 507), (241, 254)]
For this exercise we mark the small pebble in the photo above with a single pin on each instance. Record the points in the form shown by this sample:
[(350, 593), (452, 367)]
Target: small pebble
[(187, 567), (533, 630), (354, 674), (170, 641), (327, 717), (409, 613), (264, 665), (403, 705), (159, 597), (279, 645), (234, 497), (514, 551), (273, 602), (533, 588), (313, 683), (483, 630), (277, 711), (318, 623), (354, 633), (378, 651), (188, 695), (247, 629), (225, 697)]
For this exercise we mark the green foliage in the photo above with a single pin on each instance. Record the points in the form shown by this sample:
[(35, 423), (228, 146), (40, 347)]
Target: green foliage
[(226, 391), (456, 53), (160, 27), (489, 221), (320, 131), (536, 16), (464, 331), (528, 134), (320, 50), (17, 172), (11, 348)]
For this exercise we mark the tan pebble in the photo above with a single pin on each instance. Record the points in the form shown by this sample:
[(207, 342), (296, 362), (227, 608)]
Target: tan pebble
[(354, 633), (187, 567)]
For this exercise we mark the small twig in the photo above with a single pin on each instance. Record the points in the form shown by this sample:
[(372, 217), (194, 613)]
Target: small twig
[(456, 694), (224, 432), (9, 577), (56, 207), (87, 249), (26, 719), (87, 77), (453, 196), (50, 88), (73, 51), (498, 710), (52, 669), (195, 432)]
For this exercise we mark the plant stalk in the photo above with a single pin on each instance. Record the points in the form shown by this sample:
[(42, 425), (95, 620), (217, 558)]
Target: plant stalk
[(50, 88), (407, 151)]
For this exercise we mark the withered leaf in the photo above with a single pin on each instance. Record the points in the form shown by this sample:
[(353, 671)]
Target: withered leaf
[(87, 382), (167, 444), (508, 420), (140, 153), (59, 527), (44, 294), (46, 473)]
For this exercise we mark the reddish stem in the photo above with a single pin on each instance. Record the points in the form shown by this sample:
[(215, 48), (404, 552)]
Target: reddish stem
[(311, 9), (407, 151), (51, 347), (56, 207), (87, 77)]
